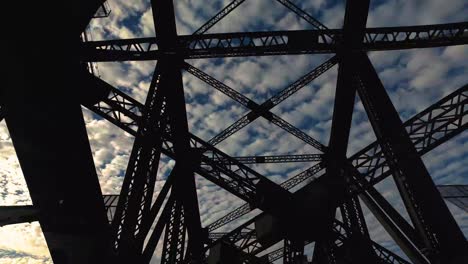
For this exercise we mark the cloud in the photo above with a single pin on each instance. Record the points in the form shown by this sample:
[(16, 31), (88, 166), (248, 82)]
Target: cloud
[(22, 243)]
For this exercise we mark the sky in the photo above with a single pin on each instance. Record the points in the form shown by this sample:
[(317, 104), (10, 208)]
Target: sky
[(414, 79)]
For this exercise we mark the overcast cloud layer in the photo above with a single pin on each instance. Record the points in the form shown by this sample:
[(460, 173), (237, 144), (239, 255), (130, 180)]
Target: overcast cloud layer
[(415, 79)]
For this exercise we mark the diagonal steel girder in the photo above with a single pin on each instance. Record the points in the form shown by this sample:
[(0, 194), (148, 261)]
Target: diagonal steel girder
[(337, 165), (138, 185), (456, 194), (280, 158), (440, 234), (275, 43)]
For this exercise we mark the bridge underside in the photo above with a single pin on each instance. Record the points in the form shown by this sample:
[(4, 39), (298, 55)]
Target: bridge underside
[(49, 78)]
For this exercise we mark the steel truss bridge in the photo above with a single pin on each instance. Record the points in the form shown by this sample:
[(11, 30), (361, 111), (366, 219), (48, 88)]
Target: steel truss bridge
[(49, 79)]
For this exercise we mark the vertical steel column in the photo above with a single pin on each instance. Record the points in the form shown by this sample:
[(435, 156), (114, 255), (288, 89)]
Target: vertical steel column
[(353, 33), (358, 246), (184, 182), (174, 238), (138, 186), (427, 210), (293, 252), (324, 254), (48, 130)]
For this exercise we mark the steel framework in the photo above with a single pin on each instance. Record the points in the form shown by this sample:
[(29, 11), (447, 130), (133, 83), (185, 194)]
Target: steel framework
[(82, 226)]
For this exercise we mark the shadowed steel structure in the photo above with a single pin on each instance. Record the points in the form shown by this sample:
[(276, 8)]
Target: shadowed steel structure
[(81, 225), (456, 194)]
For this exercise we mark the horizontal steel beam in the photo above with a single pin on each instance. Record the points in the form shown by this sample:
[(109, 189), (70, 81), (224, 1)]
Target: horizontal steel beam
[(27, 213), (280, 158), (10, 215), (275, 43)]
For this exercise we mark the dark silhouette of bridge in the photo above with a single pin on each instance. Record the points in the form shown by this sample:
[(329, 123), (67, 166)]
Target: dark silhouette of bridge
[(50, 76)]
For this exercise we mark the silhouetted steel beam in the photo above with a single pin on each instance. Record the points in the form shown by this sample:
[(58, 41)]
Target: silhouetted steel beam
[(137, 189), (399, 229), (276, 43), (430, 215), (185, 213), (18, 214), (55, 156), (244, 237), (27, 213), (337, 163), (428, 129), (217, 235), (408, 244), (387, 256), (117, 107), (174, 238), (293, 252), (110, 203), (158, 229), (280, 158), (379, 201), (148, 221), (456, 194)]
